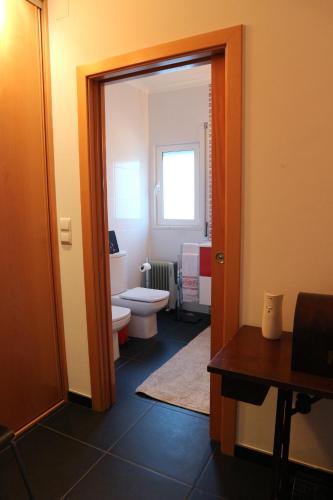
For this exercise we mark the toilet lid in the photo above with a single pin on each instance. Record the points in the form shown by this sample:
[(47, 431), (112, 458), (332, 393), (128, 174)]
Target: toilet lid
[(144, 294), (119, 313)]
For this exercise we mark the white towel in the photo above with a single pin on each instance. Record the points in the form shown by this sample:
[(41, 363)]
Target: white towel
[(190, 295), (191, 248), (190, 282), (190, 264), (190, 289)]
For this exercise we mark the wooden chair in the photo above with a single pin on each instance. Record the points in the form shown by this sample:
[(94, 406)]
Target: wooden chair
[(7, 438)]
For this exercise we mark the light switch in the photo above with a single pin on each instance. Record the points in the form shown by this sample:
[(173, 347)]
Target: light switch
[(65, 224), (66, 237)]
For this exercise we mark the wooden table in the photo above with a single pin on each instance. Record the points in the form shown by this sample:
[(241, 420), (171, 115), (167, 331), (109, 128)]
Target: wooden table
[(250, 365)]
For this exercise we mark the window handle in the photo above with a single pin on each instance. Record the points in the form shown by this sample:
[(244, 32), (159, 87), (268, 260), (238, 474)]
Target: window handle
[(157, 189)]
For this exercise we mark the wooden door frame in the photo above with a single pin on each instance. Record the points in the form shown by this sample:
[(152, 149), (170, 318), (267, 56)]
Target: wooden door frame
[(52, 201), (90, 80)]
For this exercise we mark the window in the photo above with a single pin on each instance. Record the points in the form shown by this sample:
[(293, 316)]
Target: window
[(177, 186)]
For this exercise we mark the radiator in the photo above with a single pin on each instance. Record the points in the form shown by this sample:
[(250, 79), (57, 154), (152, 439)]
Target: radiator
[(163, 277)]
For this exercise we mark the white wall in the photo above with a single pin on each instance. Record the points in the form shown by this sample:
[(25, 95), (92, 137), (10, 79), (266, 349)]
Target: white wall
[(287, 237), (126, 114), (176, 117)]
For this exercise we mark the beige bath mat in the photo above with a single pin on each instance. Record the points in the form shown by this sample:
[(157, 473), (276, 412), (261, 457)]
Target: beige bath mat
[(183, 380)]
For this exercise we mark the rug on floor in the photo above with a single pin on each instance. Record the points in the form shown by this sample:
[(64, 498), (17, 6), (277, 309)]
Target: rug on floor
[(183, 380)]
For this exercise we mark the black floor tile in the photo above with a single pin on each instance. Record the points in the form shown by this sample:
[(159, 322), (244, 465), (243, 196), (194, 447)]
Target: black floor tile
[(118, 480), (166, 321), (182, 410), (95, 428), (170, 440), (147, 355), (202, 495), (173, 443), (307, 486), (53, 463), (183, 331), (135, 346), (121, 362), (11, 483), (235, 479), (159, 353), (129, 377)]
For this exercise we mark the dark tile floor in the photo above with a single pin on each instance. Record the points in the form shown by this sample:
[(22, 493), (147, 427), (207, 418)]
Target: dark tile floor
[(140, 449)]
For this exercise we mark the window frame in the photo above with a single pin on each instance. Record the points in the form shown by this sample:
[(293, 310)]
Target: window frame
[(160, 221)]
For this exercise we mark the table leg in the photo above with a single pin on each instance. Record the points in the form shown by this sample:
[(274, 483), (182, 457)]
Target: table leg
[(281, 444)]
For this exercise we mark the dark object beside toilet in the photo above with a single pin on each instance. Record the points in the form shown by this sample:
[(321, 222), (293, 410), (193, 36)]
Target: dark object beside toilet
[(312, 350)]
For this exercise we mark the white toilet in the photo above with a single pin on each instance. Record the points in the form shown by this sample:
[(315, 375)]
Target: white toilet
[(143, 303), (120, 317)]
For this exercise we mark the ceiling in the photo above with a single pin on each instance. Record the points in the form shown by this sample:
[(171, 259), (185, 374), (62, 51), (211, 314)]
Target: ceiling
[(174, 79)]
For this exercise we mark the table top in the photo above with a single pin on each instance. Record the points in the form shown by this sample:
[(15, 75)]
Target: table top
[(248, 355)]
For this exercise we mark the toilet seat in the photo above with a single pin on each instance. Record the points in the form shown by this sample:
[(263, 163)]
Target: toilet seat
[(120, 317), (144, 294), (140, 307)]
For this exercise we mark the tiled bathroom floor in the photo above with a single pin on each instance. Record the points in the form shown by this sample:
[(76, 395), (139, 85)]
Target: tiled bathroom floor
[(139, 450)]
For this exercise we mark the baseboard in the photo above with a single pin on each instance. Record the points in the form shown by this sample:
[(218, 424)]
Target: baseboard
[(75, 397), (296, 469), (40, 417)]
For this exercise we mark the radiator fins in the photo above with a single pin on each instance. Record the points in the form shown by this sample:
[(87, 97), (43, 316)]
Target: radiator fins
[(163, 277)]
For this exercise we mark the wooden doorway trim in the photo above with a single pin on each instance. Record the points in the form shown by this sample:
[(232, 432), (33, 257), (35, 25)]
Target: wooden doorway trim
[(90, 79), (49, 152)]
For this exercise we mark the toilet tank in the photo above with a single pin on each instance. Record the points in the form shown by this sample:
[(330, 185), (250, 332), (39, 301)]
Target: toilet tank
[(118, 272)]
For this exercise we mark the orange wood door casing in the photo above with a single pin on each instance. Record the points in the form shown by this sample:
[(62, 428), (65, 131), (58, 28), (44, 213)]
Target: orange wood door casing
[(224, 49), (226, 203), (30, 376), (218, 229)]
